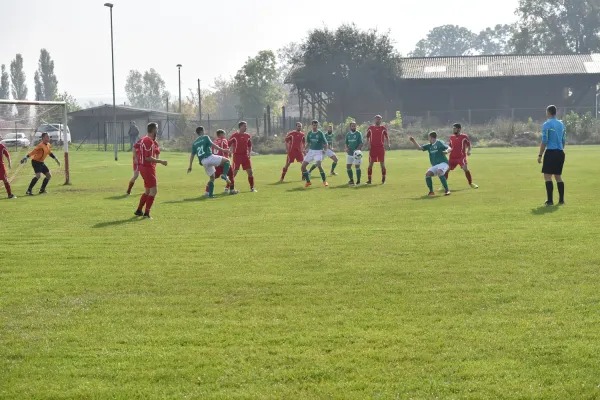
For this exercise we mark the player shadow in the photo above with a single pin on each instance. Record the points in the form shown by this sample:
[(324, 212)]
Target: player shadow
[(542, 210), (351, 187), (279, 183), (298, 189), (193, 199), (119, 197), (116, 223), (428, 197)]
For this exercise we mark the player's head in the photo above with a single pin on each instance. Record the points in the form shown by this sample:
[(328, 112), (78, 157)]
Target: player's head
[(353, 126), (456, 128), (45, 138), (242, 126), (315, 125), (152, 130), (378, 120), (329, 128), (551, 111), (200, 131), (220, 133), (432, 137), (298, 126)]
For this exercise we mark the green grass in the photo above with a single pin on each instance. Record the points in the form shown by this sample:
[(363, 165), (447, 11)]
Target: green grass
[(371, 292)]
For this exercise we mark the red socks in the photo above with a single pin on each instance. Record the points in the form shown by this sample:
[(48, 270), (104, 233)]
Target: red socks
[(383, 172), (7, 187), (469, 178), (142, 201), (251, 182), (283, 172), (206, 189), (370, 172), (130, 187), (149, 202)]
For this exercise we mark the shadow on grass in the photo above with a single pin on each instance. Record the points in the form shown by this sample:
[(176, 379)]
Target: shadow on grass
[(542, 210), (116, 223), (426, 197), (278, 183), (120, 197), (201, 198), (298, 189)]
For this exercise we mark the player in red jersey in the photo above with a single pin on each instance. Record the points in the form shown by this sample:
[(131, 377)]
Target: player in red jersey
[(295, 141), (461, 148), (241, 143), (3, 175), (136, 170), (147, 158), (377, 137), (221, 141)]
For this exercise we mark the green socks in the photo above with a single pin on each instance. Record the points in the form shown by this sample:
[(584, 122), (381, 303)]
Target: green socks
[(314, 166), (444, 182), (323, 176), (350, 174), (226, 168), (211, 188), (429, 183), (333, 167), (306, 176), (358, 175)]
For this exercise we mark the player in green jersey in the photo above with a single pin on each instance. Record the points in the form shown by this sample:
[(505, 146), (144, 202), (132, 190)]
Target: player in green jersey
[(316, 146), (202, 148), (329, 136), (354, 142), (439, 162)]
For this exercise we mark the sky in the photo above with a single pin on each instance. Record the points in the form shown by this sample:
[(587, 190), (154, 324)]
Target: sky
[(209, 38)]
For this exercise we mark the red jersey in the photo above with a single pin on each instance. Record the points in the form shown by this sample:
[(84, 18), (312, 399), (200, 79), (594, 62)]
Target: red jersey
[(3, 153), (241, 143), (376, 135), (146, 147), (222, 143), (459, 144), (295, 141)]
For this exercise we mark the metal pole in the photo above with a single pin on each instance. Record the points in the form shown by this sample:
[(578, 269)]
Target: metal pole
[(168, 128), (112, 51), (65, 138), (199, 104), (179, 69)]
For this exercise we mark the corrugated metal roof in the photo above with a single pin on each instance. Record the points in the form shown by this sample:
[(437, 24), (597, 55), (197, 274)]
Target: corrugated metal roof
[(498, 66), (120, 109)]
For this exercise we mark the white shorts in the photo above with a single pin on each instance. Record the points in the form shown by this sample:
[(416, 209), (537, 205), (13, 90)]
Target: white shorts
[(313, 156), (329, 153), (440, 167), (351, 161), (210, 162)]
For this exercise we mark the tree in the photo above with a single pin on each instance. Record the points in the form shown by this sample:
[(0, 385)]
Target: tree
[(446, 40), (46, 83), (55, 115), (496, 40), (19, 87), (4, 91), (225, 98), (557, 27), (256, 84), (147, 90)]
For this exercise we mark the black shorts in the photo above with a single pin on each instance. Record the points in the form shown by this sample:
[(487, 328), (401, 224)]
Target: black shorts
[(39, 167), (553, 162)]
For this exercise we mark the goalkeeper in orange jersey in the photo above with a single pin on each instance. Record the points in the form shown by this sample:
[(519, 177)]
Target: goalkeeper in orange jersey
[(38, 156)]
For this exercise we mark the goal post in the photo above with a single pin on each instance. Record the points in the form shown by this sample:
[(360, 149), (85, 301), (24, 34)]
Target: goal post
[(16, 115)]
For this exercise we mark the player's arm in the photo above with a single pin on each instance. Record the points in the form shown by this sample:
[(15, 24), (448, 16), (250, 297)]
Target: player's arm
[(31, 153), (417, 145), (52, 156), (368, 137), (386, 139), (544, 142), (214, 146), (155, 160), (324, 141), (249, 148), (6, 154), (191, 160), (360, 141), (564, 137), (288, 139), (468, 146), (347, 143)]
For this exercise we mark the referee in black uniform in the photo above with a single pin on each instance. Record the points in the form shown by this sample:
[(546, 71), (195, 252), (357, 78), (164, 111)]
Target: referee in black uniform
[(552, 149)]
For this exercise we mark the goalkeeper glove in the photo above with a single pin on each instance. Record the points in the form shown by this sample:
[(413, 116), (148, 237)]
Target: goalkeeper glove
[(23, 161)]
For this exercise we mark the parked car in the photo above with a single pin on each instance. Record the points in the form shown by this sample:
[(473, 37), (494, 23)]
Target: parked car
[(55, 131), (16, 140)]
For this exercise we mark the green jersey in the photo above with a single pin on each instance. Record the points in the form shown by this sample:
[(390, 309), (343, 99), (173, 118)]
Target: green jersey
[(316, 140), (329, 137), (202, 147), (436, 152), (353, 140)]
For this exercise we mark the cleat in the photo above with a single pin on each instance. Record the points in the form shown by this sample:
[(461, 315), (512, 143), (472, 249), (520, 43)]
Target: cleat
[(226, 191), (29, 193), (560, 203), (253, 190), (333, 173), (211, 197), (138, 213), (447, 193), (325, 184), (307, 184), (206, 194), (226, 179), (43, 192), (147, 216), (431, 194), (383, 182), (280, 181), (549, 204), (350, 183), (368, 182), (358, 183), (12, 196), (128, 193), (474, 186), (232, 192)]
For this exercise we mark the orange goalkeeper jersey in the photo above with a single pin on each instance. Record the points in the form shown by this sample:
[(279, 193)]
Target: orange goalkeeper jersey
[(40, 152)]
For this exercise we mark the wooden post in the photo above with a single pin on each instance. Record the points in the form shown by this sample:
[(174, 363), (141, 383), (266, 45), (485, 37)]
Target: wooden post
[(257, 127), (269, 120), (265, 124), (301, 103)]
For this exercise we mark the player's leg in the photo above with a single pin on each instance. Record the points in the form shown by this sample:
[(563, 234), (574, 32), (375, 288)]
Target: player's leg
[(288, 162), (4, 179), (136, 173), (38, 174), (334, 164), (383, 172), (144, 196), (429, 180), (152, 192), (465, 168), (370, 169), (549, 189), (47, 178), (322, 171), (357, 164), (211, 187), (305, 173), (349, 162), (560, 184), (442, 168)]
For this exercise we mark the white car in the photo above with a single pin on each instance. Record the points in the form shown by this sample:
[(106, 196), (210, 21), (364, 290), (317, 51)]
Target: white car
[(55, 131), (16, 140)]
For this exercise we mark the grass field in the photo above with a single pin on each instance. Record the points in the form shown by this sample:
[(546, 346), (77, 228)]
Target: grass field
[(349, 293)]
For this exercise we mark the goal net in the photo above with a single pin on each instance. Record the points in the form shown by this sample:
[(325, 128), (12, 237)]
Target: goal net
[(21, 126)]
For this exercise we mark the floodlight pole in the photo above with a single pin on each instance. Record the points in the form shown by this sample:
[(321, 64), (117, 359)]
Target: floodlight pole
[(112, 50), (179, 69)]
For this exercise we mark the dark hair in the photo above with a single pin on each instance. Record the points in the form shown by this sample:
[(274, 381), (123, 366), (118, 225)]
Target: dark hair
[(242, 123), (152, 126), (44, 134), (199, 130), (457, 126), (315, 122), (220, 132), (551, 110), (433, 134)]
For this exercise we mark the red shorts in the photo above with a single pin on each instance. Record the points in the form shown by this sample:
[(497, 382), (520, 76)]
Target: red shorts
[(149, 177), (454, 162), (241, 160), (219, 172), (377, 154), (3, 174), (295, 155)]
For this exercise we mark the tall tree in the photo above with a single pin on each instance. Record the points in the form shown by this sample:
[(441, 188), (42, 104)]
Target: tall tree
[(257, 84), (147, 90), (496, 40), (19, 87), (557, 26), (446, 40), (4, 91), (46, 83)]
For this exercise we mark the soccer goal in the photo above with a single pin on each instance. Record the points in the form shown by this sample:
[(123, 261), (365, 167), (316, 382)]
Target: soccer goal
[(22, 124)]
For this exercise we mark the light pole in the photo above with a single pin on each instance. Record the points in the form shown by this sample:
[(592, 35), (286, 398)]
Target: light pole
[(179, 69), (112, 51)]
